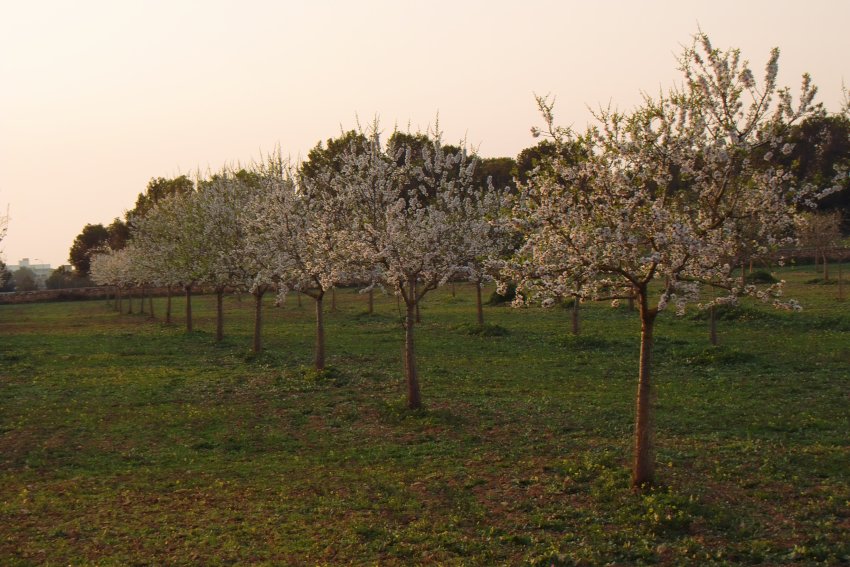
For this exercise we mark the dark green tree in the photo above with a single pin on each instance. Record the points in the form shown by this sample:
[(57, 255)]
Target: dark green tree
[(65, 278), (25, 280), (6, 281), (243, 176), (499, 170), (159, 188), (821, 145), (324, 158), (400, 142), (92, 238), (541, 155), (416, 150), (119, 234)]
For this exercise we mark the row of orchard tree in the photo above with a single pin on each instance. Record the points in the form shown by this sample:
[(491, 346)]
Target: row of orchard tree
[(651, 206), (405, 216)]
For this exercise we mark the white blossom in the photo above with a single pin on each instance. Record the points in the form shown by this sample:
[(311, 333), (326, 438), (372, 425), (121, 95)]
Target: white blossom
[(666, 196)]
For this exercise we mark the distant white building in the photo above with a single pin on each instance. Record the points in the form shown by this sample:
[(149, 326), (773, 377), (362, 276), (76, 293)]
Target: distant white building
[(41, 271)]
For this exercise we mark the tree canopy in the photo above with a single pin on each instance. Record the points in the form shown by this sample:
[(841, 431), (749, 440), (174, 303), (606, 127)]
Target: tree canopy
[(24, 279), (414, 212), (157, 189), (667, 195), (93, 238), (64, 278), (7, 283), (821, 144)]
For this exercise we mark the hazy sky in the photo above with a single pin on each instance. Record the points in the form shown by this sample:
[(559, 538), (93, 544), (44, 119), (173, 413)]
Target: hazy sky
[(98, 97)]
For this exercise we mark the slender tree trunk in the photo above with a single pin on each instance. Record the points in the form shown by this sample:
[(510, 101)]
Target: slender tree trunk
[(371, 305), (479, 306), (416, 303), (320, 332), (119, 299), (298, 296), (258, 319), (142, 297), (576, 307), (825, 268), (712, 325), (643, 470), (453, 289), (150, 303), (219, 314), (168, 305), (129, 301), (188, 308), (414, 398)]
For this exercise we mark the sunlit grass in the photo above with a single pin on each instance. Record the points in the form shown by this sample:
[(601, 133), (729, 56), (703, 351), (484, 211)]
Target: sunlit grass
[(123, 440)]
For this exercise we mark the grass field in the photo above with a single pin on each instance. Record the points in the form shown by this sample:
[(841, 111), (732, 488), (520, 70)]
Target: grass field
[(125, 441)]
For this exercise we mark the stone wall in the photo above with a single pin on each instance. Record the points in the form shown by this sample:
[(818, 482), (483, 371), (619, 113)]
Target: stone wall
[(74, 294)]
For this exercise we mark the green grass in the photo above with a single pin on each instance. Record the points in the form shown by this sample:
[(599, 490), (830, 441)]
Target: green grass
[(126, 441)]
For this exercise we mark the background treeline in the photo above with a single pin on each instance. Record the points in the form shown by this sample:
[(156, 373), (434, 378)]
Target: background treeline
[(810, 161)]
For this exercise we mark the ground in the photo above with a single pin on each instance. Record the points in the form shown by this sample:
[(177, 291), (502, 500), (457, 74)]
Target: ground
[(127, 441)]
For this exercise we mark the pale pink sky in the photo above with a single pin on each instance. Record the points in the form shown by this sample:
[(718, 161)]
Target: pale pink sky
[(97, 97)]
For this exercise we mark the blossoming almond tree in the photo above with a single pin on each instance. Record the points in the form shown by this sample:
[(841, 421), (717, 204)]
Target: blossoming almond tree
[(407, 227), (540, 271), (135, 274), (132, 275), (221, 201), (323, 163), (152, 237), (170, 238), (296, 230), (120, 269), (486, 242), (256, 279), (667, 196), (107, 269), (255, 258)]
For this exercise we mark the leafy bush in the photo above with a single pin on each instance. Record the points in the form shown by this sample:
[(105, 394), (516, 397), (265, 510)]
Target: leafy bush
[(761, 277)]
